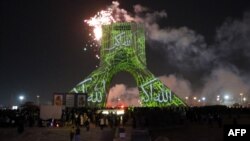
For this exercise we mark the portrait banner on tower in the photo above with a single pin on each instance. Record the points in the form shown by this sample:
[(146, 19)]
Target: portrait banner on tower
[(70, 100), (81, 100), (58, 99)]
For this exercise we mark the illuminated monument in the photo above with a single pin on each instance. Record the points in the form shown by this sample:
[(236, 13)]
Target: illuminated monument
[(123, 49)]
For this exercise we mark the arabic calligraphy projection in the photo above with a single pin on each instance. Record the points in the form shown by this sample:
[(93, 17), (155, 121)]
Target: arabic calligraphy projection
[(123, 49)]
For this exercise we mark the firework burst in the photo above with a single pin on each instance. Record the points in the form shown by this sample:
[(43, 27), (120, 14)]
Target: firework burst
[(107, 16), (104, 17)]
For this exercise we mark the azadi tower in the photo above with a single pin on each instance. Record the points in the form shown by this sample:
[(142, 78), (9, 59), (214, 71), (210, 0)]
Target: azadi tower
[(123, 49)]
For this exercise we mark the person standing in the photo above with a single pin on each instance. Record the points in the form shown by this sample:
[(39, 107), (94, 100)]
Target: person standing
[(87, 124), (20, 123), (81, 120), (72, 133), (101, 122), (77, 134)]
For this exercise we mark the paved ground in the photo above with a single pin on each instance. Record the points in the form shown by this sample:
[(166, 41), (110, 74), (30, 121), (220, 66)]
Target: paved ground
[(186, 132), (62, 134), (55, 134), (195, 131)]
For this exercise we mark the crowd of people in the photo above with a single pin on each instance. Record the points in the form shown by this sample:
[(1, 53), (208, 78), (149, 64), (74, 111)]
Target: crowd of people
[(140, 117), (84, 116), (172, 116), (17, 118)]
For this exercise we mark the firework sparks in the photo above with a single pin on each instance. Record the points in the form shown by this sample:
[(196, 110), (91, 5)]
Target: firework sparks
[(103, 17), (107, 16)]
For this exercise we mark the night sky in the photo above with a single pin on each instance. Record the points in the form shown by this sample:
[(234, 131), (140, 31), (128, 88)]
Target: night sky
[(43, 41)]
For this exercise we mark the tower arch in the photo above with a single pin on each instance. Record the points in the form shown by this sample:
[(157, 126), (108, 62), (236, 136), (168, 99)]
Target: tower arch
[(123, 49), (122, 90)]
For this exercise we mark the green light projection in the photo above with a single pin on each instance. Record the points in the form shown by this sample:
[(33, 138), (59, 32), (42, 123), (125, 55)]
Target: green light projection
[(123, 49)]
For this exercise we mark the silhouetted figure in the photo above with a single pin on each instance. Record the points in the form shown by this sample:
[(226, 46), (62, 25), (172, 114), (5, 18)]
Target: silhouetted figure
[(20, 124), (72, 133), (77, 134), (210, 120), (101, 123), (87, 124)]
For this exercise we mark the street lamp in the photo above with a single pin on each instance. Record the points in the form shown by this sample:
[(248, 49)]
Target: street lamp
[(226, 97), (37, 98), (244, 99), (186, 99), (194, 101), (218, 99), (203, 98), (21, 98)]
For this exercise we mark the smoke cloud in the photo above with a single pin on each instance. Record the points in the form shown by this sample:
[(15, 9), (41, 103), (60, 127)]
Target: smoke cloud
[(224, 81), (232, 42), (120, 14), (121, 95), (177, 85), (223, 65), (184, 48)]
